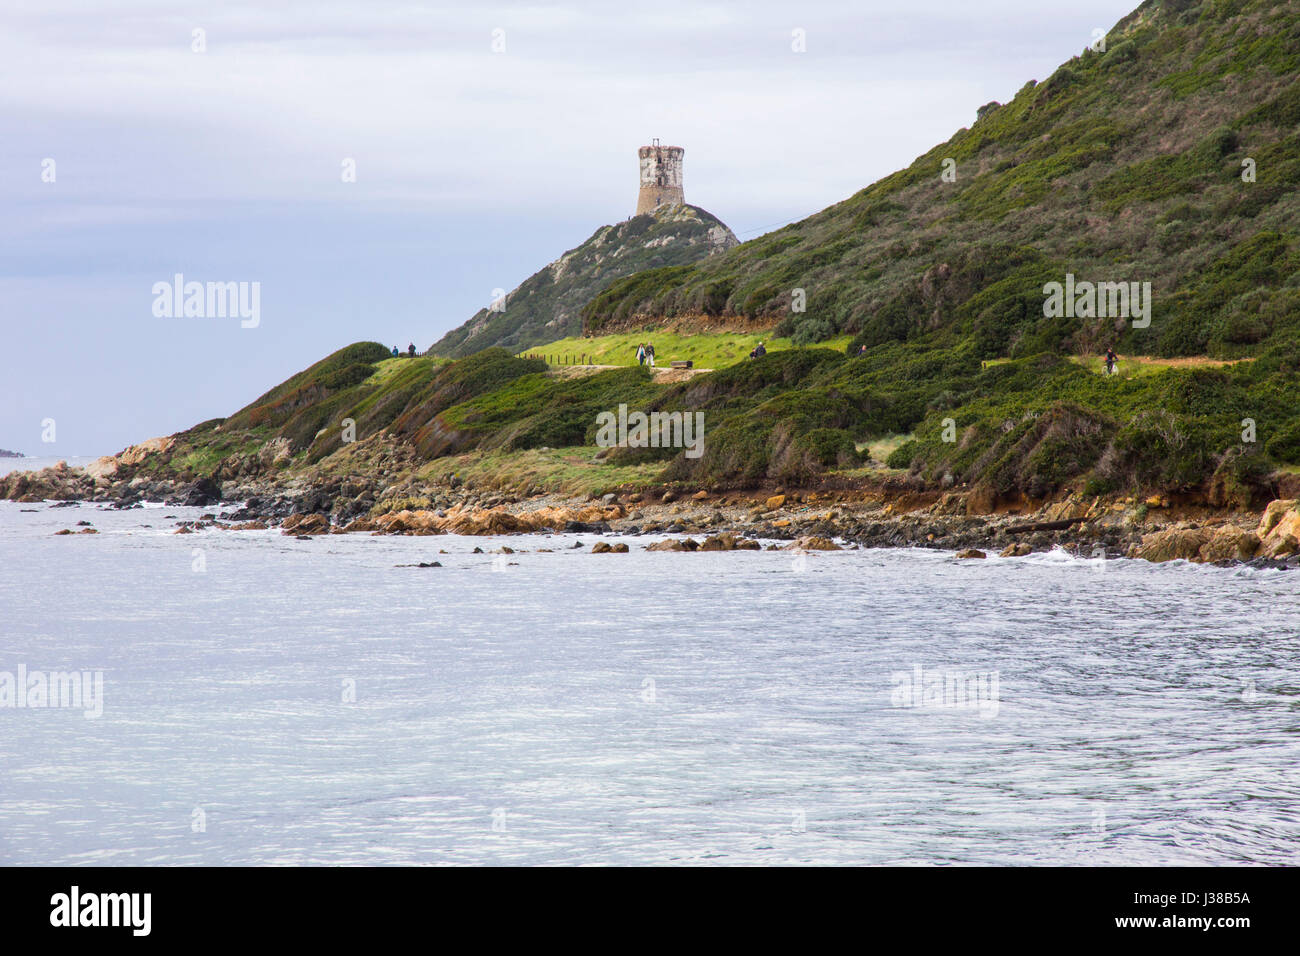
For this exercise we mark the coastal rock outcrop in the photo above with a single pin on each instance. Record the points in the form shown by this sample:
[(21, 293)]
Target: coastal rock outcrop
[(1213, 544), (719, 542), (488, 521), (1230, 544), (306, 524), (1279, 529), (57, 482), (1173, 544), (674, 544)]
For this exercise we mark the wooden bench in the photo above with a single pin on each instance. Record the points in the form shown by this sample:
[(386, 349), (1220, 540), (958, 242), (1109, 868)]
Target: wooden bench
[(687, 364)]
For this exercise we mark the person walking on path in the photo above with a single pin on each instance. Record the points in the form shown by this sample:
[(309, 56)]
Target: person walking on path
[(640, 354), (650, 354)]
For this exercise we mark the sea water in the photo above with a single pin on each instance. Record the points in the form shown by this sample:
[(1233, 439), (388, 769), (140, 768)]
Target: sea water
[(267, 700)]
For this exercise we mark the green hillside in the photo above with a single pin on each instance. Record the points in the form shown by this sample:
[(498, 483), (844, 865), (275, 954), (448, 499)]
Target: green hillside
[(1124, 165)]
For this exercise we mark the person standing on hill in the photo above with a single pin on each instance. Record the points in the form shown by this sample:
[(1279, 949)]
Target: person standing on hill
[(410, 350), (640, 354), (395, 352), (1112, 360), (650, 354)]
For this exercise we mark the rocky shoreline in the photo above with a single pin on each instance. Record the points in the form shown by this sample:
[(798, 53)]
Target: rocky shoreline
[(959, 521)]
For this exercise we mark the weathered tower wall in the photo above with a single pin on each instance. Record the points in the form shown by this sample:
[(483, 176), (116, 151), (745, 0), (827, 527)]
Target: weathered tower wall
[(661, 177)]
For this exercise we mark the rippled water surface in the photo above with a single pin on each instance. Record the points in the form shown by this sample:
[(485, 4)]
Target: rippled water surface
[(652, 708)]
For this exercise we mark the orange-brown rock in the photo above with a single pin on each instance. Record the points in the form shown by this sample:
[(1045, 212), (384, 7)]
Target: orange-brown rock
[(981, 500), (479, 522), (1172, 544), (552, 517), (409, 522), (668, 544), (813, 543), (1230, 544), (1279, 529), (306, 524)]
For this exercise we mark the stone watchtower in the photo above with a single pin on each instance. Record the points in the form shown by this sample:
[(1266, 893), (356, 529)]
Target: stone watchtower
[(661, 177)]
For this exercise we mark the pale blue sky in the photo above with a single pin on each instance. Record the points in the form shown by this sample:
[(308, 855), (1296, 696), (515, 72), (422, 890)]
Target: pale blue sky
[(474, 168)]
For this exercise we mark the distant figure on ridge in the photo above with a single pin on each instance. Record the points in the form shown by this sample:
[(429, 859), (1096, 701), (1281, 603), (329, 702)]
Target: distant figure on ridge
[(395, 352), (410, 350), (1112, 361)]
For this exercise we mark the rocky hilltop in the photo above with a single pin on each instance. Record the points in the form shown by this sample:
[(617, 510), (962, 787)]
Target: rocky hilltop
[(547, 305)]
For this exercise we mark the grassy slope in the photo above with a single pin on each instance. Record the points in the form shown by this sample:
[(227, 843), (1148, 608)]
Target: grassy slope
[(305, 417), (705, 350), (571, 470)]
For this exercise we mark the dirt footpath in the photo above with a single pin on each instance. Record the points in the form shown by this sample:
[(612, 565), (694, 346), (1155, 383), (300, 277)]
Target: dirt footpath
[(661, 375)]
